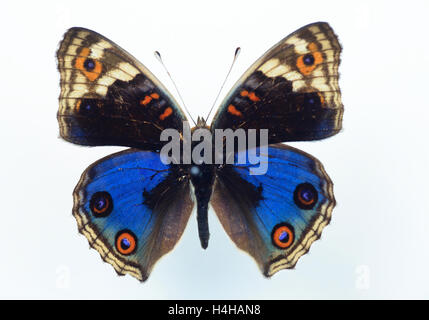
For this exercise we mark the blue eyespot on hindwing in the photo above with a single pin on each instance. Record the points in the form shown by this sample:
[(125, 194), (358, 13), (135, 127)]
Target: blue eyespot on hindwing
[(101, 204), (305, 196)]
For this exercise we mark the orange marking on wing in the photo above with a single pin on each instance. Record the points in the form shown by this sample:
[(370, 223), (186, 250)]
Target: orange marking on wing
[(312, 46), (146, 100), (318, 59), (167, 113), (78, 103), (244, 93), (252, 96), (233, 110), (80, 61)]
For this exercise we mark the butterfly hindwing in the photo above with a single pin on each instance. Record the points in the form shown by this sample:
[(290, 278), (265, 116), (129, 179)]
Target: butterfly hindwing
[(133, 209), (275, 217), (108, 97), (292, 90)]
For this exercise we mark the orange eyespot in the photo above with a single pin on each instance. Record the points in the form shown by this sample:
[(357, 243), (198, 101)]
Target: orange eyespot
[(282, 236), (233, 110), (91, 68), (167, 112), (308, 62), (155, 95), (126, 242)]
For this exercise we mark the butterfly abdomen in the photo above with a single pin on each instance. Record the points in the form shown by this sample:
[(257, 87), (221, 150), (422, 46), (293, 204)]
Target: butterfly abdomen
[(202, 177)]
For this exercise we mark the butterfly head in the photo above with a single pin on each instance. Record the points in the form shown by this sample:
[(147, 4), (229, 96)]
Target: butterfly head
[(201, 123)]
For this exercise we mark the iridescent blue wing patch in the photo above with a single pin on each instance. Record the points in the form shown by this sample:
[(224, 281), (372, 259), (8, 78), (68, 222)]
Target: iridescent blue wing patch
[(133, 209), (275, 217)]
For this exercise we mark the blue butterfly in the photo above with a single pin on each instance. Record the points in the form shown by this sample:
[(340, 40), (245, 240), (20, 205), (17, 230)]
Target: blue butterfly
[(133, 208)]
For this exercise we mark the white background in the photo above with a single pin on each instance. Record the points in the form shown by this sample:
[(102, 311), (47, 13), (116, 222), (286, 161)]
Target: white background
[(377, 243)]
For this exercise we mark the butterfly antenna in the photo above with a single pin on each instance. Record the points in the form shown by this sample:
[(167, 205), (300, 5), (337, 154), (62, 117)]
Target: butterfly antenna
[(158, 56), (237, 52)]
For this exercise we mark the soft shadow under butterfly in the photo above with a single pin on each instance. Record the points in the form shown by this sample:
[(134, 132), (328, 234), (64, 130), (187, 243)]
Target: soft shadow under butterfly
[(133, 208)]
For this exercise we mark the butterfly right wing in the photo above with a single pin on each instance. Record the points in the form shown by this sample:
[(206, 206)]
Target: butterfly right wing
[(292, 90), (276, 216), (108, 97)]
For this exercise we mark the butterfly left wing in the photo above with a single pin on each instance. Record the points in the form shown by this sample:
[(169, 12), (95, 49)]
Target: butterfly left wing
[(275, 217), (292, 90), (133, 209), (108, 97)]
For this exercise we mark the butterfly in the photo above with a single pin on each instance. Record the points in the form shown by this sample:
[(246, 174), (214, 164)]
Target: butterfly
[(133, 208)]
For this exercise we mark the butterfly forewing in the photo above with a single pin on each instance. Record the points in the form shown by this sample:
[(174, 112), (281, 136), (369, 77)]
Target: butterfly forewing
[(108, 97), (292, 90)]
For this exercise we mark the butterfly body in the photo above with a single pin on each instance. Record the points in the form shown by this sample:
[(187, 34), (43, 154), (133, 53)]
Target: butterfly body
[(202, 178), (133, 206)]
